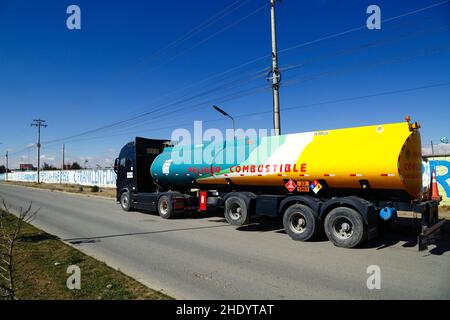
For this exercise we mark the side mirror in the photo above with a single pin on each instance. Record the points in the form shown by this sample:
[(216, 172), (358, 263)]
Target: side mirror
[(116, 165)]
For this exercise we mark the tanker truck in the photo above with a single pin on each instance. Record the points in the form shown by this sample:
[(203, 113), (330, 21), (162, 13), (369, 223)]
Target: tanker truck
[(346, 183)]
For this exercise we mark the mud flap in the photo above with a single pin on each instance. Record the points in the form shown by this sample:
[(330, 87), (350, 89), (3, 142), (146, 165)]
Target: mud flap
[(429, 235)]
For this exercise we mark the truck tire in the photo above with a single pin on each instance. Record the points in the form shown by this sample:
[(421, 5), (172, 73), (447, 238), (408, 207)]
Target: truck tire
[(125, 201), (236, 211), (345, 227), (165, 208), (301, 223)]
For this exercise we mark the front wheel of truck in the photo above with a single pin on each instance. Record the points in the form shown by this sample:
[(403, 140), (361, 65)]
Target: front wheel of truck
[(125, 201), (165, 208)]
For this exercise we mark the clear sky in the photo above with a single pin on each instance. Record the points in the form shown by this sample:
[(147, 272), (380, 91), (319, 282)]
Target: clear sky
[(164, 63)]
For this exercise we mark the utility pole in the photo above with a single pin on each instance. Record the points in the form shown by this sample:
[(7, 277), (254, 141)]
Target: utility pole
[(62, 156), (38, 123), (7, 165), (276, 75)]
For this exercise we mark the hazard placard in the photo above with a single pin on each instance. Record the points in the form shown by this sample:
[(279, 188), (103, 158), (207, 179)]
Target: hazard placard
[(315, 186), (303, 186), (290, 185)]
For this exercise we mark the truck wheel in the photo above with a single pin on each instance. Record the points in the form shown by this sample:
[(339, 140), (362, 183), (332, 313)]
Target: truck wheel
[(125, 201), (300, 222), (236, 211), (345, 227), (165, 208)]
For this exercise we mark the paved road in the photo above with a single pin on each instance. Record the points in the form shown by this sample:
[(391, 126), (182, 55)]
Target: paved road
[(204, 258)]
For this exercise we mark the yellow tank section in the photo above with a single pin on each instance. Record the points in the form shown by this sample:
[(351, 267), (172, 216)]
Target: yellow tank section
[(388, 156)]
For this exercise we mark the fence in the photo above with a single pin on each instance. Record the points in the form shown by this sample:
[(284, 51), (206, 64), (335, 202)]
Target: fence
[(88, 177)]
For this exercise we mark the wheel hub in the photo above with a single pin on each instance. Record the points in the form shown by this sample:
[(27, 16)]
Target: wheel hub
[(124, 201), (301, 223), (298, 223), (343, 228), (236, 212), (164, 207)]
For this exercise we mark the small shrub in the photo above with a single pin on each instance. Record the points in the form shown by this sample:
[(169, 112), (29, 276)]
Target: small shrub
[(80, 189), (95, 189)]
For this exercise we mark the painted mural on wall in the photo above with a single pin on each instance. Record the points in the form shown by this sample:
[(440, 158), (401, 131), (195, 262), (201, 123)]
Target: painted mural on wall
[(442, 167), (88, 177)]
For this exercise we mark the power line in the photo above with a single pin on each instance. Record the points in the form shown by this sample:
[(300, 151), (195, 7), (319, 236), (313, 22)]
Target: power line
[(304, 79), (219, 16), (293, 81), (204, 25), (427, 51), (289, 108), (256, 60), (361, 27), (217, 33), (365, 46)]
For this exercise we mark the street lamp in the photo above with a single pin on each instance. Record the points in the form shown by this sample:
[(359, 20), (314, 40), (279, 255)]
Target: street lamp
[(227, 115)]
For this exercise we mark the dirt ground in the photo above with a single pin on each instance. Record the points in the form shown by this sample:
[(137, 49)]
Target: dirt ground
[(444, 213)]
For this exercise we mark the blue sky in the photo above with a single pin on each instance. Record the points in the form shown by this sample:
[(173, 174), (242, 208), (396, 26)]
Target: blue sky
[(108, 71)]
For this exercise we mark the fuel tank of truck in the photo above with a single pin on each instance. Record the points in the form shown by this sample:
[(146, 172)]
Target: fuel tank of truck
[(385, 157)]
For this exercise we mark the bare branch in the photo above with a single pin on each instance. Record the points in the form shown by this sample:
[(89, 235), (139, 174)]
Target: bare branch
[(7, 252)]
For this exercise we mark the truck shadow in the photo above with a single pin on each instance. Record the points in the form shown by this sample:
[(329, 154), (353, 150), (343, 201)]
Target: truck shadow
[(272, 224), (406, 233), (96, 239), (36, 238)]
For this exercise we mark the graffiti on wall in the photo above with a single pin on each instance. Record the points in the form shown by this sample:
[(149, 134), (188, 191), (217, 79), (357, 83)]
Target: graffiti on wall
[(88, 177), (442, 167)]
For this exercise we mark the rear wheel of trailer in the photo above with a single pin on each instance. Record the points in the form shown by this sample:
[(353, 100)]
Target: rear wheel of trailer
[(345, 227), (301, 223)]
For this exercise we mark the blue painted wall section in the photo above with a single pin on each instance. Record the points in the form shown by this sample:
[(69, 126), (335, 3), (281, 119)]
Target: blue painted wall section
[(442, 167)]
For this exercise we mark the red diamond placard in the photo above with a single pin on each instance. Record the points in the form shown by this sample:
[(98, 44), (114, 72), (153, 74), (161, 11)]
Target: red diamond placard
[(290, 185)]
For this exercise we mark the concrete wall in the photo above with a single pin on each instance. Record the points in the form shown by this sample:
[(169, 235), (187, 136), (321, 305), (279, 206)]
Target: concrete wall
[(88, 177)]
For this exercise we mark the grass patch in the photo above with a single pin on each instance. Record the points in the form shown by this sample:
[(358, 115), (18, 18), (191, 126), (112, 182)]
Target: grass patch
[(42, 261)]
